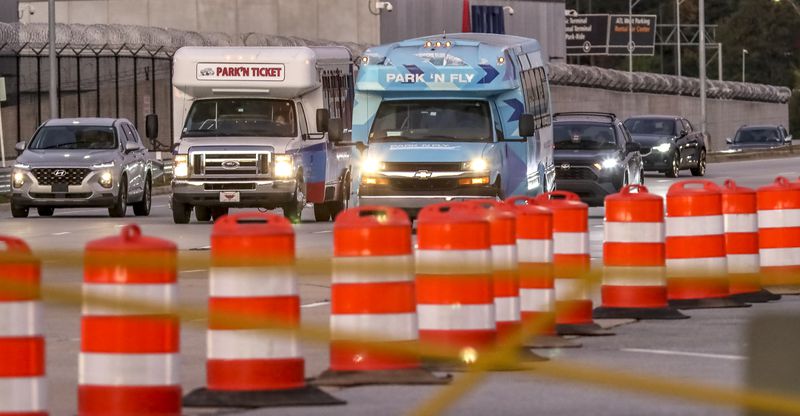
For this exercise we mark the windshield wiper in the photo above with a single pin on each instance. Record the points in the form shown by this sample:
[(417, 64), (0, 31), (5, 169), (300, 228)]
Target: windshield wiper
[(393, 139), (455, 139), (56, 146)]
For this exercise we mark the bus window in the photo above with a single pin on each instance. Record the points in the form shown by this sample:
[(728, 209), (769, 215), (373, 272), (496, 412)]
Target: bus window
[(537, 95)]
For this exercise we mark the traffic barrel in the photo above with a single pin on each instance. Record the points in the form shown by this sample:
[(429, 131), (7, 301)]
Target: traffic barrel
[(536, 282), (739, 210), (129, 333), (572, 263), (779, 236), (695, 247), (455, 298), (23, 388), (634, 281), (372, 298), (253, 358)]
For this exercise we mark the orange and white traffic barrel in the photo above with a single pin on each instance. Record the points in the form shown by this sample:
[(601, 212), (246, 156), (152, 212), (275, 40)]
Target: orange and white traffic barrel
[(455, 297), (697, 274), (634, 281), (779, 236), (130, 335), (23, 388), (739, 210), (372, 297), (572, 263), (252, 354)]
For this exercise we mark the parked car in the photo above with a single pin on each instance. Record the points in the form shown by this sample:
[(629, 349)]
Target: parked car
[(86, 162), (759, 137), (594, 155), (669, 144)]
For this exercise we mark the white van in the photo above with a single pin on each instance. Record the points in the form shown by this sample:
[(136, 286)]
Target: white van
[(253, 128)]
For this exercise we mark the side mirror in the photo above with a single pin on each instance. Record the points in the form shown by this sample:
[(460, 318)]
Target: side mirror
[(527, 125), (151, 126), (131, 146), (323, 119), (631, 147), (788, 139), (729, 140), (683, 133), (20, 147), (335, 130)]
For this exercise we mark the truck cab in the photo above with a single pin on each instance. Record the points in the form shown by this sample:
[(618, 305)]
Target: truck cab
[(253, 130), (453, 117)]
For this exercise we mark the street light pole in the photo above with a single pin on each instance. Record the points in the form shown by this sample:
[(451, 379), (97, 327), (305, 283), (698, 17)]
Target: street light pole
[(678, 32), (631, 5), (51, 40), (744, 53), (702, 61)]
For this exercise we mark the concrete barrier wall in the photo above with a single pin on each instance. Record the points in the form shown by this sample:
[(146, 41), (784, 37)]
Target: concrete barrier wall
[(724, 116)]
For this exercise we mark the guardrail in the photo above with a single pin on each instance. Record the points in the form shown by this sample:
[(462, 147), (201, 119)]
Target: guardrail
[(5, 181)]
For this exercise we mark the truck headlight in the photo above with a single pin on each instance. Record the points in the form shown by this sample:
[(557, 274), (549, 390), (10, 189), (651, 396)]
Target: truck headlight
[(663, 147), (609, 163), (371, 165), (18, 178), (181, 166), (478, 165), (106, 179), (284, 166)]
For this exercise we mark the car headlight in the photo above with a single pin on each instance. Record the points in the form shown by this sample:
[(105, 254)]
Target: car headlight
[(181, 166), (18, 178), (103, 165), (478, 165), (371, 165), (284, 166), (609, 163), (106, 179), (663, 147)]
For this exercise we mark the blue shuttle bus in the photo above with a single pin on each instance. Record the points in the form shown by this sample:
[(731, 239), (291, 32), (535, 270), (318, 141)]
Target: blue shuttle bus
[(452, 117)]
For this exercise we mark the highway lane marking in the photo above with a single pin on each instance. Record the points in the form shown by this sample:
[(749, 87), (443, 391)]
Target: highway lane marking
[(193, 271), (687, 354), (315, 304), (61, 233), (322, 232)]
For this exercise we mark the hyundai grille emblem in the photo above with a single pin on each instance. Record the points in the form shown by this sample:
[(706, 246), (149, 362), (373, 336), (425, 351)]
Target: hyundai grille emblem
[(60, 173)]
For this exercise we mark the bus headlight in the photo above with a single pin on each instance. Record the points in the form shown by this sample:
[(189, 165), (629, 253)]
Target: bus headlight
[(284, 166), (181, 167), (478, 165), (106, 179), (371, 165)]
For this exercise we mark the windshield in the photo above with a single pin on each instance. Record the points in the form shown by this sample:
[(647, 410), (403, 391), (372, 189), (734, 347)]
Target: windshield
[(757, 136), (661, 127), (241, 117), (583, 136), (74, 137), (440, 120)]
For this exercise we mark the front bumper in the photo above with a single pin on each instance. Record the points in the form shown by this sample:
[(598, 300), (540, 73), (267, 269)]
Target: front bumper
[(413, 201), (88, 194), (252, 194), (591, 192), (656, 160)]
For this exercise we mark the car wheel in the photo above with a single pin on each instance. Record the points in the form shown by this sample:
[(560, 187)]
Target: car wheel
[(181, 213), (120, 206), (203, 214), (641, 177), (322, 212), (674, 168), (294, 209), (45, 211), (18, 211), (700, 170), (142, 208), (218, 212), (336, 207)]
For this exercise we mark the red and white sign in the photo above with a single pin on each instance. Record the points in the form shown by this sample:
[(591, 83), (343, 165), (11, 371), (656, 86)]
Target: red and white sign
[(240, 72)]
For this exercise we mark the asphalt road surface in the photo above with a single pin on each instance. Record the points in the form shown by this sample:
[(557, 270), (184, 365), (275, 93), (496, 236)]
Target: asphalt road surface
[(710, 347)]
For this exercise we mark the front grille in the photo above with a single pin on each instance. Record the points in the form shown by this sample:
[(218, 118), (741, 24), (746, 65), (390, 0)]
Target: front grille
[(576, 172), (229, 186), (51, 176), (434, 184), (429, 166), (230, 164), (49, 195)]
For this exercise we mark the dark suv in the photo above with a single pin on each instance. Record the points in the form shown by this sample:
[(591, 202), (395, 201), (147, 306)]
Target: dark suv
[(594, 155), (669, 144)]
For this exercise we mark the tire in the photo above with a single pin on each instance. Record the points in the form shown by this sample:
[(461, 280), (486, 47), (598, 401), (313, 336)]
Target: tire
[(219, 212), (674, 169), (203, 214), (45, 211), (294, 209), (181, 213), (120, 207), (142, 208), (18, 211), (336, 207), (322, 212), (700, 170)]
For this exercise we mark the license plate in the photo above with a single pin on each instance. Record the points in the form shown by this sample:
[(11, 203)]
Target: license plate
[(228, 197), (60, 188)]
